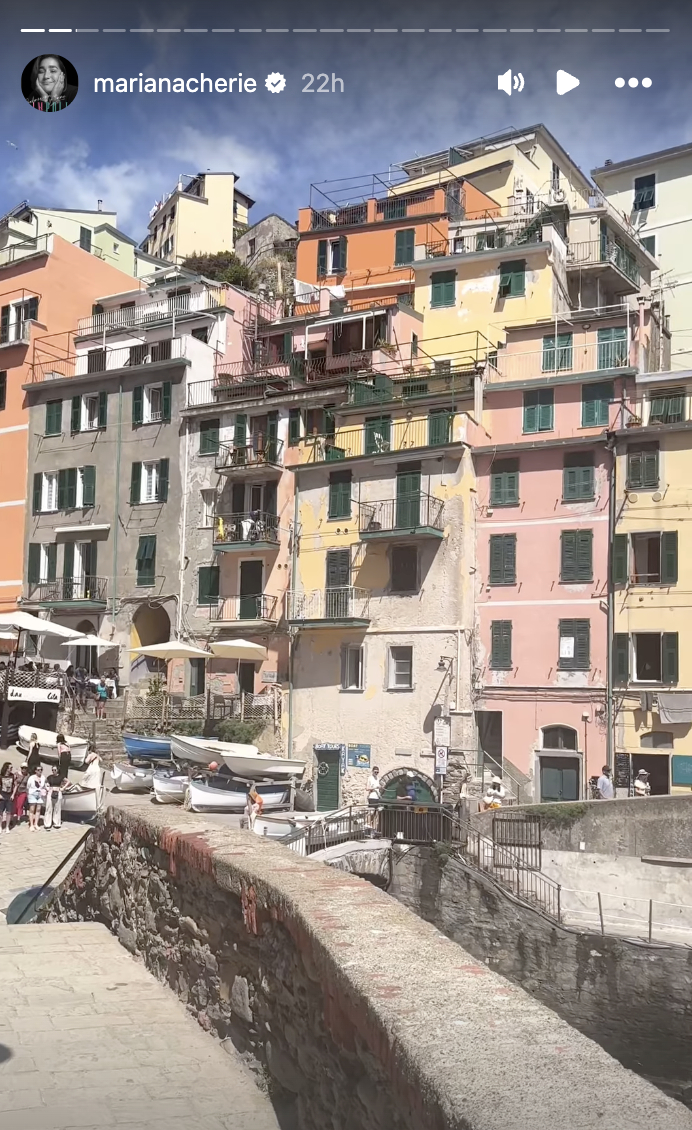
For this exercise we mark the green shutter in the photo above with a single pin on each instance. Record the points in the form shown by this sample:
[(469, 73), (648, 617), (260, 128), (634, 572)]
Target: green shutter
[(503, 559), (578, 480), (92, 570), (501, 644), (240, 431), (162, 485), (612, 348), (208, 584), (38, 485), (62, 490), (621, 658), (669, 657), (103, 408), (584, 555), (88, 486), (504, 483), (209, 437), (4, 325), (576, 555), (68, 560), (340, 494), (378, 434), (669, 557), (538, 410), (512, 279), (54, 417), (137, 405), (620, 559), (580, 632), (343, 249), (545, 410), (650, 470), (404, 246), (135, 483), (595, 404), (443, 288), (33, 573), (76, 414), (71, 489), (146, 560), (642, 469), (271, 448), (321, 258), (51, 561), (557, 353), (166, 398), (439, 427), (294, 429)]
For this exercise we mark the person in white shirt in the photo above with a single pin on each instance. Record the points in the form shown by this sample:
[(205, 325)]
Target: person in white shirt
[(374, 788), (605, 785), (641, 784), (35, 788), (91, 778)]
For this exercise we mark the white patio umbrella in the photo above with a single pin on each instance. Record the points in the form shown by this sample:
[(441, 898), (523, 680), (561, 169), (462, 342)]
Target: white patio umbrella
[(238, 649), (174, 649), (19, 621), (89, 640), (8, 636)]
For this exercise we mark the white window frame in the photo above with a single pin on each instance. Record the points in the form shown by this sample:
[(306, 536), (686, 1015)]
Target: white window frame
[(150, 473), (49, 482), (208, 507), (633, 658), (16, 320), (84, 425), (392, 684), (79, 490), (332, 243), (148, 416), (358, 653), (43, 564)]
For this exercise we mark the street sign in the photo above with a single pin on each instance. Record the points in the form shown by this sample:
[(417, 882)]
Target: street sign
[(441, 754), (442, 732)]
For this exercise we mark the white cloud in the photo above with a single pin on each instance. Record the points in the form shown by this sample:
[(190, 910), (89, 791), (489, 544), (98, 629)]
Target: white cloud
[(221, 153)]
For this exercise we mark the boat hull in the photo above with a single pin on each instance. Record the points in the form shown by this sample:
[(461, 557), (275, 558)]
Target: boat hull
[(170, 789), (83, 804), (129, 779), (201, 797), (47, 740), (200, 751), (255, 767), (153, 749)]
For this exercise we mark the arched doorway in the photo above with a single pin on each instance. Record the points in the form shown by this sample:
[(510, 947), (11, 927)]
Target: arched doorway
[(86, 657), (426, 789), (150, 624)]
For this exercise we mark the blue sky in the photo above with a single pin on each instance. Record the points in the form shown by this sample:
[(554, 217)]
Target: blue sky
[(405, 93)]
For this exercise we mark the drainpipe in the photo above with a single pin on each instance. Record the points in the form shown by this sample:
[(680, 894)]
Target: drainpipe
[(291, 631), (183, 531), (640, 331), (458, 670), (610, 743), (116, 523)]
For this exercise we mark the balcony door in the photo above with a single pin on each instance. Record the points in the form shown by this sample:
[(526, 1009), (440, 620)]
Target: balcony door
[(408, 498), (250, 595), (337, 592)]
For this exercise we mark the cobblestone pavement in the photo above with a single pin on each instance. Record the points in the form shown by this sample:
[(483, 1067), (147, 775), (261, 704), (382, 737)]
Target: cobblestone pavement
[(89, 1039), (27, 858)]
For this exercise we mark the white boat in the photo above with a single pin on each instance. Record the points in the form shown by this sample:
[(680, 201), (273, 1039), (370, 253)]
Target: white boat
[(82, 804), (277, 825), (218, 796), (169, 788), (47, 740), (246, 761), (129, 779), (200, 751)]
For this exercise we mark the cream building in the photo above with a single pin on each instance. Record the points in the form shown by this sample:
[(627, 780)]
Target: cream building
[(203, 214)]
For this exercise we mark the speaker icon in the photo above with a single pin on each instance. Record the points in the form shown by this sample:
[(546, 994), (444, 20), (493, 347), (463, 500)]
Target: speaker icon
[(507, 83)]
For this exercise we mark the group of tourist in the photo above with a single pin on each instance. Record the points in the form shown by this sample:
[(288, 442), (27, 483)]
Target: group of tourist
[(605, 789), (27, 792)]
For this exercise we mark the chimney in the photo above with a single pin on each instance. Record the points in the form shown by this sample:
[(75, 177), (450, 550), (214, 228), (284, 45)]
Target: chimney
[(99, 204)]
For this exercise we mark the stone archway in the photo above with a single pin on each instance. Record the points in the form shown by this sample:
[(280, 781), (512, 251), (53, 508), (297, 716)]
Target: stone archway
[(426, 789), (86, 657), (150, 624)]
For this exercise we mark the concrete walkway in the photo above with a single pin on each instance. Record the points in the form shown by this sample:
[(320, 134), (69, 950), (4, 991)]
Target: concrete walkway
[(89, 1039), (27, 858)]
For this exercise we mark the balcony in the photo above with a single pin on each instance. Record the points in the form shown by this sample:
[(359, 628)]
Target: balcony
[(95, 361), (256, 530), (260, 455), (345, 607), (380, 437), (589, 357), (15, 252), (252, 612), (81, 592), (426, 201), (493, 241), (17, 334), (607, 257), (118, 319), (408, 516)]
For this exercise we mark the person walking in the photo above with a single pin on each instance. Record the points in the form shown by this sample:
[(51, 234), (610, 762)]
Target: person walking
[(605, 785), (101, 698), (35, 787), (34, 759), (64, 757), (8, 788), (20, 793), (52, 815), (374, 787)]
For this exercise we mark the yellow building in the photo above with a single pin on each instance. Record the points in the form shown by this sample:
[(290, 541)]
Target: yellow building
[(652, 577), (204, 214)]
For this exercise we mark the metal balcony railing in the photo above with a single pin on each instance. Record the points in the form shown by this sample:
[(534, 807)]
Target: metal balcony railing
[(19, 333), (246, 528), (352, 216), (14, 252), (604, 251), (405, 513), (94, 361), (342, 603), (491, 240), (575, 358), (66, 589), (259, 452), (379, 438), (146, 314), (229, 609)]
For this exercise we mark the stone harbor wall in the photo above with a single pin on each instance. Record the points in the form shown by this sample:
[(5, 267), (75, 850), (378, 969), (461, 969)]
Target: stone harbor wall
[(366, 1015), (634, 999)]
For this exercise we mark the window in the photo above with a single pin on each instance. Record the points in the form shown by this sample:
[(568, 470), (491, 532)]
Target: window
[(576, 555), (208, 585), (559, 737), (557, 353), (352, 668), (201, 333), (667, 406), (14, 319), (149, 482), (208, 507), (555, 177), (404, 568), (513, 279), (3, 391), (501, 645), (612, 348), (538, 410), (488, 240), (644, 192), (96, 361), (657, 739), (42, 563), (442, 288), (654, 558), (331, 256), (70, 489), (295, 429), (378, 430), (53, 418), (414, 346), (45, 497), (209, 437), (403, 247), (251, 244), (85, 238), (400, 669), (595, 404), (151, 404), (642, 467), (153, 407), (578, 478), (89, 412), (340, 494), (504, 483), (655, 657), (503, 559), (648, 242), (146, 560), (575, 645), (439, 427)]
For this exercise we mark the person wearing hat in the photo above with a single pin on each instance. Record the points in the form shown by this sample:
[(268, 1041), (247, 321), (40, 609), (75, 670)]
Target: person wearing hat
[(641, 784)]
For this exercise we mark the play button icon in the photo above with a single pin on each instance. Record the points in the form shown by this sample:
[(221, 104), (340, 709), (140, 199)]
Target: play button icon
[(565, 81)]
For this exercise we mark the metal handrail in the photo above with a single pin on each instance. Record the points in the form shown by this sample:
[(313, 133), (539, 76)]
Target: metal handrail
[(32, 902)]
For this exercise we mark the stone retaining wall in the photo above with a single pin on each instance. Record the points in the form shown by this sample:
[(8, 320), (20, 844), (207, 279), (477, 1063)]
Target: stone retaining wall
[(367, 1014)]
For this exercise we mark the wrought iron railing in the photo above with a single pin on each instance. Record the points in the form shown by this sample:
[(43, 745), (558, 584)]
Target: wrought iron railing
[(150, 313), (495, 239), (246, 528), (407, 512), (69, 588), (228, 609), (341, 603), (604, 251), (259, 452)]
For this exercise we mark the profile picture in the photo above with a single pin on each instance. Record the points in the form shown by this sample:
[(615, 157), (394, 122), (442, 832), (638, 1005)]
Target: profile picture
[(49, 83)]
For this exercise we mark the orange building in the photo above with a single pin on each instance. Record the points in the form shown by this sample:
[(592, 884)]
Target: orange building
[(363, 233), (46, 284)]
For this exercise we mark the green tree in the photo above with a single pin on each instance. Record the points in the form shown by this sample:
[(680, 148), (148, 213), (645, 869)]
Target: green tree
[(223, 266)]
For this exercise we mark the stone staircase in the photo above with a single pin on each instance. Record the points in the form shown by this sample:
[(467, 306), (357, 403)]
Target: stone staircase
[(106, 733)]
